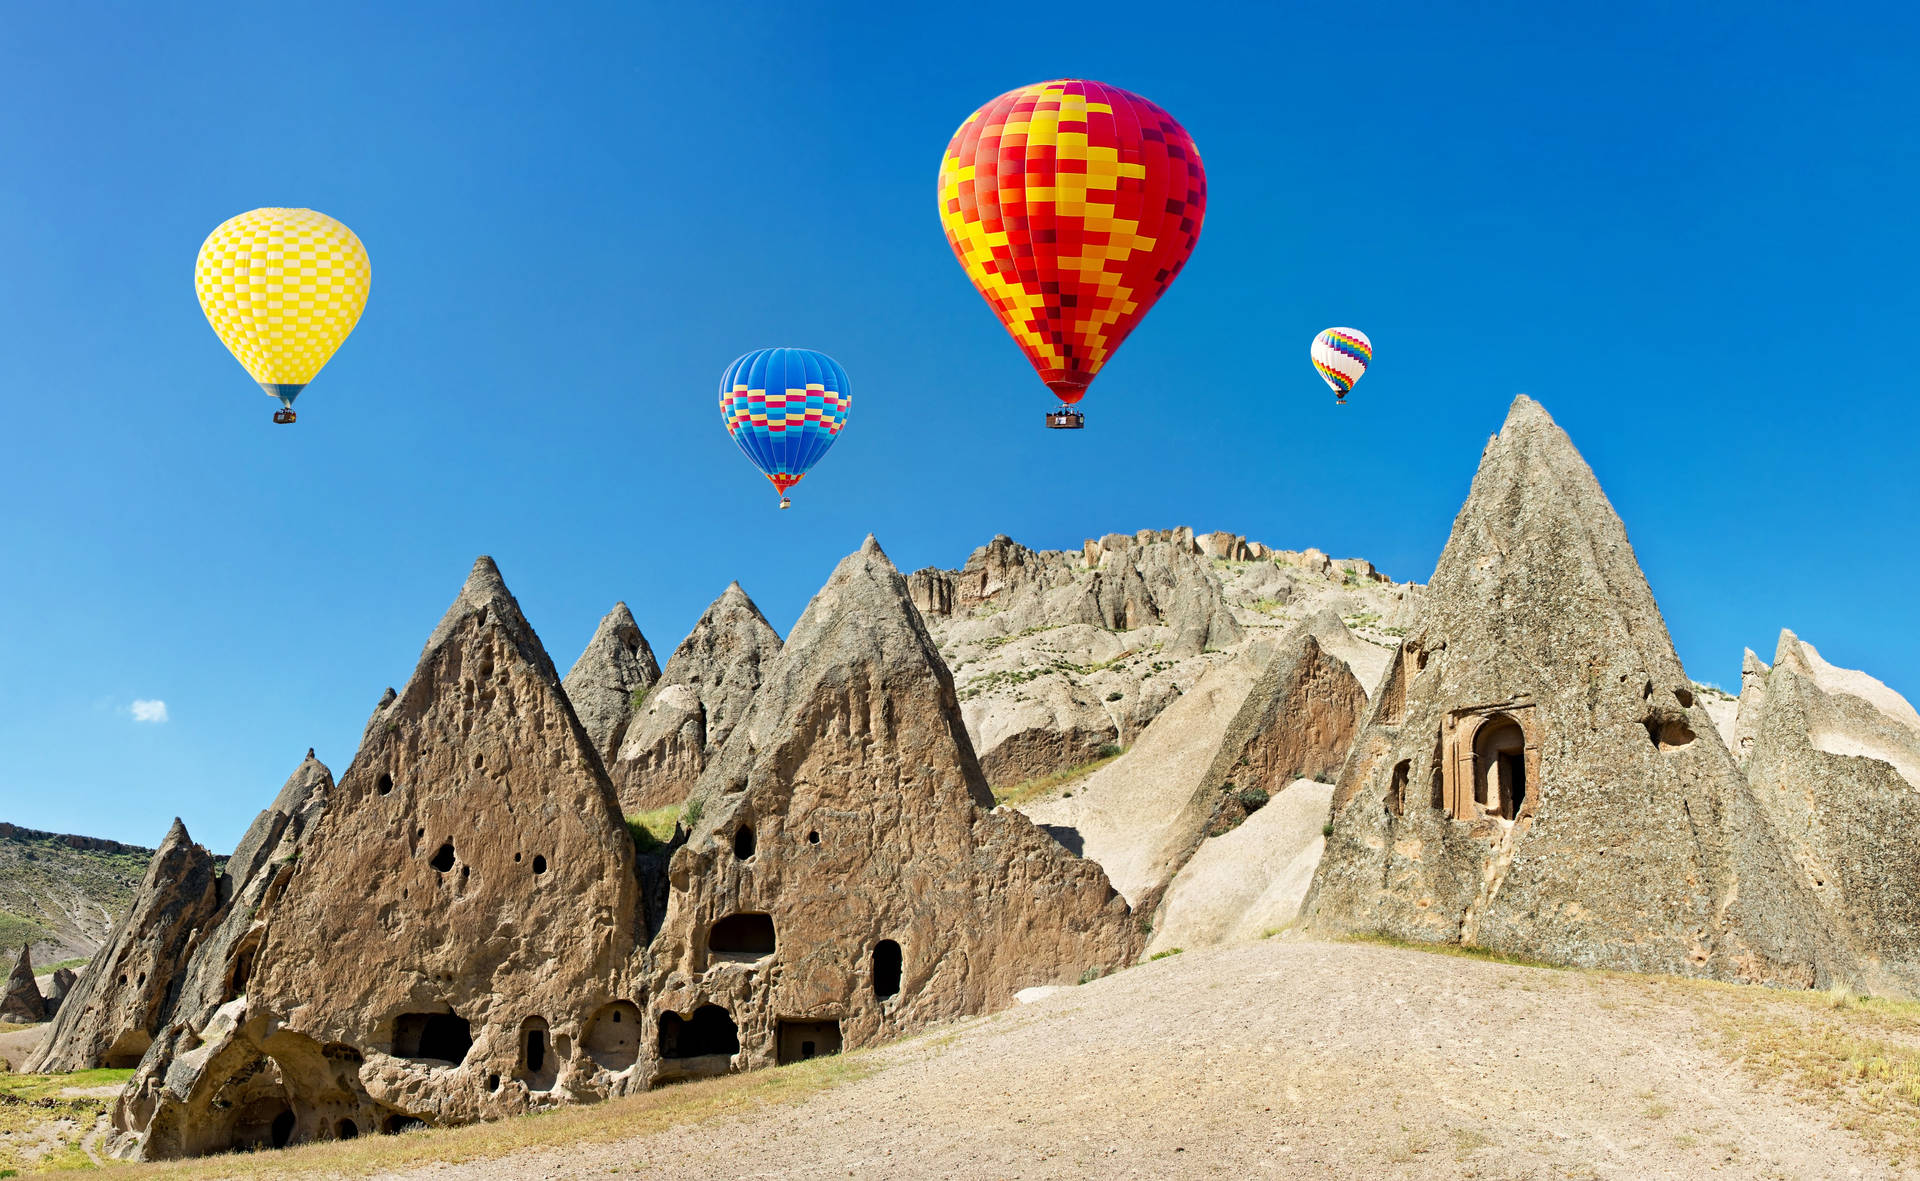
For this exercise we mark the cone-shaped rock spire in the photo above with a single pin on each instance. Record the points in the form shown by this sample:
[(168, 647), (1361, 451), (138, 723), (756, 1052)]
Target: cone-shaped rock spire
[(616, 666)]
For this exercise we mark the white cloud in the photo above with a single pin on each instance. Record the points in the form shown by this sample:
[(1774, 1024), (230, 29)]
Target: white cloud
[(149, 711)]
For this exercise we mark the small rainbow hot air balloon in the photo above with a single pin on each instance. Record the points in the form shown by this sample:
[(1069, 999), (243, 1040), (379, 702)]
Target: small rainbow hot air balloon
[(785, 407), (1341, 356), (1072, 206), (282, 289)]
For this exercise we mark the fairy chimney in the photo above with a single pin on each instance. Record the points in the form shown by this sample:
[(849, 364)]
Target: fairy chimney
[(847, 877), (612, 675), (693, 707), (1536, 776)]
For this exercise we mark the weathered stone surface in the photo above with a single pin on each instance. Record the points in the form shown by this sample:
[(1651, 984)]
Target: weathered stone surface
[(846, 848), (126, 994), (1248, 882), (1835, 761), (616, 665), (691, 710), (1536, 775), (467, 886), (23, 1002), (58, 987)]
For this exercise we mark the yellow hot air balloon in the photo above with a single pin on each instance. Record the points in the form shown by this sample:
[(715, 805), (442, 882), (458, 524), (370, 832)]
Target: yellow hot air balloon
[(282, 289)]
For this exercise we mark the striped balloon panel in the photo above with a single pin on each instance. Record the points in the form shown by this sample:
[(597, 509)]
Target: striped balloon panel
[(784, 408), (1072, 206), (1341, 355)]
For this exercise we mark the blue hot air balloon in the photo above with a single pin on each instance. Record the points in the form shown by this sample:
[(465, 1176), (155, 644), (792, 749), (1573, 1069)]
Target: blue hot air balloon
[(785, 407)]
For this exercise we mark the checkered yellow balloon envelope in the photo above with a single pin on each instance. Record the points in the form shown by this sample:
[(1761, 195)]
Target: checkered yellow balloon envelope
[(282, 289)]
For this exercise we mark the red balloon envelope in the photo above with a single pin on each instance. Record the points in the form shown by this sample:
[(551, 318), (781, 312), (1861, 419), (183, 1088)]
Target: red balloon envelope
[(1072, 206)]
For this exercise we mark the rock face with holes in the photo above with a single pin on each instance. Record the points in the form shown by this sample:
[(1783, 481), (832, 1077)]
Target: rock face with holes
[(124, 998), (1834, 758), (1536, 776), (614, 673), (458, 921), (1059, 654), (688, 714), (847, 878), (22, 1001)]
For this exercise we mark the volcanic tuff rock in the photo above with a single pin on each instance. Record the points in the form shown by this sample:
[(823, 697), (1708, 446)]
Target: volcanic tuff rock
[(60, 985), (687, 716), (453, 940), (1536, 774), (1059, 654), (1835, 762), (127, 992), (23, 1002), (616, 664), (848, 878)]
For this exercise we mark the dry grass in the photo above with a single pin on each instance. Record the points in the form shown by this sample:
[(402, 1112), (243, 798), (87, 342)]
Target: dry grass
[(1457, 950), (620, 1119), (1041, 785), (41, 1129), (653, 829)]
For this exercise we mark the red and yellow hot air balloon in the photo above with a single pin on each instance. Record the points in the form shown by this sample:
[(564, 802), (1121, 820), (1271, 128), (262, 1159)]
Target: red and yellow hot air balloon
[(1072, 206)]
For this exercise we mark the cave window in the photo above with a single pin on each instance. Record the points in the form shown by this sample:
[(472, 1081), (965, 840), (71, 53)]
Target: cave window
[(346, 1129), (539, 864), (443, 860), (1668, 735), (1500, 767), (743, 842), (539, 1055), (813, 838), (797, 1041), (384, 784), (886, 969), (741, 937), (242, 970), (709, 1031), (441, 1037), (536, 1050)]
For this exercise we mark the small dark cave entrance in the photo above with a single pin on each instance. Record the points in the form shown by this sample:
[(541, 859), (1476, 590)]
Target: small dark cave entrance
[(709, 1031), (432, 1037), (741, 937), (886, 969), (282, 1129), (1500, 767), (538, 1067), (743, 842), (798, 1041)]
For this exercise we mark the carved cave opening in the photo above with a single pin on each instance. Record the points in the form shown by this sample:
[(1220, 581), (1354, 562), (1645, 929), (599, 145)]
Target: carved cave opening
[(741, 938), (538, 1065), (886, 969), (612, 1037), (432, 1037), (709, 1031), (797, 1041), (443, 860), (743, 842), (1500, 767)]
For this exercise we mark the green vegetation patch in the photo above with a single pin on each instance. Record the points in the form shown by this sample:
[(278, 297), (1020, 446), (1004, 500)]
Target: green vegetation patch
[(652, 830), (41, 1126), (1041, 785)]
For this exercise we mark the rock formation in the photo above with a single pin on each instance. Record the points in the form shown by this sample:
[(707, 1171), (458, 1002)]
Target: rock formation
[(847, 877), (1835, 762), (692, 708), (58, 987), (23, 1002), (120, 1004), (450, 939), (610, 679), (1536, 775), (1058, 655)]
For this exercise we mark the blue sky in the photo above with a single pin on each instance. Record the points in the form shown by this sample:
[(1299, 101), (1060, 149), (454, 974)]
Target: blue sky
[(1691, 237)]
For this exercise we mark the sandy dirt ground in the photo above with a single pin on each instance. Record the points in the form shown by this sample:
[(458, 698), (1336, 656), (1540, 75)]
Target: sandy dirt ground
[(1277, 1059)]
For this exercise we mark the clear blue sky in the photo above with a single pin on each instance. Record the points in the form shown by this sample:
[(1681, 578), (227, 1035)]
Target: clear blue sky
[(1692, 237)]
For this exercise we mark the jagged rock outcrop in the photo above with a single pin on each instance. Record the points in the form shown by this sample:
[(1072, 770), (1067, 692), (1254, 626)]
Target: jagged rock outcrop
[(454, 939), (60, 984), (616, 669), (22, 1002), (1060, 654), (1835, 761), (1536, 775), (122, 1001), (693, 707), (847, 878)]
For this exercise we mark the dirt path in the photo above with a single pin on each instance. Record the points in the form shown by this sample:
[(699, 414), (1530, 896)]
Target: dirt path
[(1277, 1059)]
